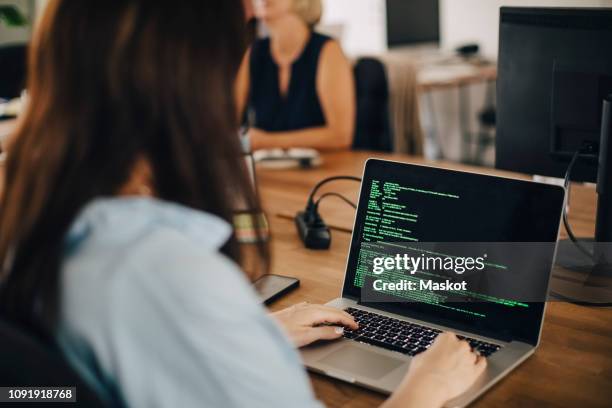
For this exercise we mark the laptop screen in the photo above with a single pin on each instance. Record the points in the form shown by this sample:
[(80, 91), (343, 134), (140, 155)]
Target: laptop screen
[(403, 203)]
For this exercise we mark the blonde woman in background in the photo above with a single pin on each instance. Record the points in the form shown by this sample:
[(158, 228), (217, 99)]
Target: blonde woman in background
[(296, 85)]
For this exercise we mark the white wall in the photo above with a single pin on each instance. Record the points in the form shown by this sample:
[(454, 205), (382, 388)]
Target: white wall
[(16, 35), (463, 21), (362, 24), (40, 5)]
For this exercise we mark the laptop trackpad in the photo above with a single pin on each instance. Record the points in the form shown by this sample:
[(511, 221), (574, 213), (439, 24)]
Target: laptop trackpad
[(357, 361)]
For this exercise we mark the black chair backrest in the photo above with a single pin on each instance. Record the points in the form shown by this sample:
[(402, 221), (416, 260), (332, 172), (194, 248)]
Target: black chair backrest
[(13, 69), (26, 362), (373, 128)]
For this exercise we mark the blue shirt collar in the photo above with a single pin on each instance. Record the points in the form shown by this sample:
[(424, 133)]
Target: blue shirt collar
[(110, 218)]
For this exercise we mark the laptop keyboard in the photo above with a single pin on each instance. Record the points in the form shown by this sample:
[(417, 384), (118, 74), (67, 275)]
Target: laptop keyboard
[(401, 336)]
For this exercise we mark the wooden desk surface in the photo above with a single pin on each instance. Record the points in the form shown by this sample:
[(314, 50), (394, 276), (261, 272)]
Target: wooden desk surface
[(572, 367)]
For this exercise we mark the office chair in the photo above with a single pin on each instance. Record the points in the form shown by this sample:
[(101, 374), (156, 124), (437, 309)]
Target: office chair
[(487, 120), (373, 126), (26, 362), (12, 70)]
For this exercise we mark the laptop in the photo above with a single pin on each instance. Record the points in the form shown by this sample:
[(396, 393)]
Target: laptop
[(405, 205)]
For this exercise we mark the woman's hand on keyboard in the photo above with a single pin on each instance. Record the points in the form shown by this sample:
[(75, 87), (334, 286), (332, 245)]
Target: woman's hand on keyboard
[(305, 323), (446, 370)]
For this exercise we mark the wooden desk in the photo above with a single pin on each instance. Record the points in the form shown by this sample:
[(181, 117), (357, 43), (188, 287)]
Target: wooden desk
[(460, 76), (438, 70), (479, 74), (572, 367)]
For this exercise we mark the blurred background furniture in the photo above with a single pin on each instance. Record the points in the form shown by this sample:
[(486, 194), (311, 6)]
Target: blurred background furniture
[(12, 70), (436, 102), (372, 130), (402, 74), (439, 117), (459, 97), (487, 123)]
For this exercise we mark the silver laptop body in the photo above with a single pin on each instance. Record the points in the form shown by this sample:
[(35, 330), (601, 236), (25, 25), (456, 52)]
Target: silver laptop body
[(382, 370)]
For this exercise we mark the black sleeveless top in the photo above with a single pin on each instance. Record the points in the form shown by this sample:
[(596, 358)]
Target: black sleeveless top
[(300, 108)]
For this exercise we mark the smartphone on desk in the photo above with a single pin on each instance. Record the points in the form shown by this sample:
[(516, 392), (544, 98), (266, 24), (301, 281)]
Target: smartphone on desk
[(272, 287)]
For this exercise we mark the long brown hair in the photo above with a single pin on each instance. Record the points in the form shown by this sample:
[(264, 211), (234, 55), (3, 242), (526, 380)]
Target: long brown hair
[(111, 82)]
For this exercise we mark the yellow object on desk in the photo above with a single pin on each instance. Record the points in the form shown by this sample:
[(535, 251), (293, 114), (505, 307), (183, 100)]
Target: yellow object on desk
[(251, 228)]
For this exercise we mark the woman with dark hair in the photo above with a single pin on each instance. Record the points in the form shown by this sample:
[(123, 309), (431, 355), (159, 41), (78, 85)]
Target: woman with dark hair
[(115, 242)]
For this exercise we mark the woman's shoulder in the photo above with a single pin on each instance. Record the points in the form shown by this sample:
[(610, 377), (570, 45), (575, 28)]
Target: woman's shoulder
[(326, 45), (331, 54), (141, 250), (134, 234), (317, 43)]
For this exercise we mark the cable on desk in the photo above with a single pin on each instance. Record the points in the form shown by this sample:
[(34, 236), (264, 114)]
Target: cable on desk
[(310, 225), (321, 183), (338, 195), (567, 183)]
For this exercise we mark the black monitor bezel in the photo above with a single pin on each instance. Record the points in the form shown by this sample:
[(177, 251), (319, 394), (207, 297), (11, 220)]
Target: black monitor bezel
[(548, 163)]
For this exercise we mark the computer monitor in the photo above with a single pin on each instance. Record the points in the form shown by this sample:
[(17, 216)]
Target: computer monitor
[(412, 22), (554, 101), (555, 68)]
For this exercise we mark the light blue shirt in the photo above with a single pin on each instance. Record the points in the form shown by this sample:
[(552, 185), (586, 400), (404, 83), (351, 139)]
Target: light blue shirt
[(153, 315)]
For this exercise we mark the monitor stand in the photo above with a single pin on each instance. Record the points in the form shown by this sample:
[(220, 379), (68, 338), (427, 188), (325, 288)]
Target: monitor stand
[(579, 278)]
